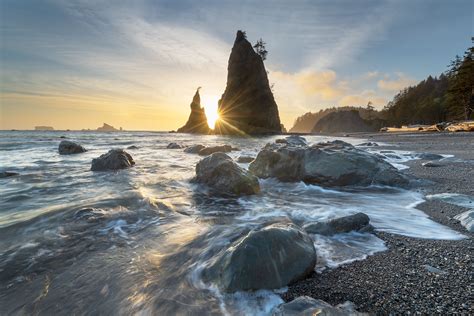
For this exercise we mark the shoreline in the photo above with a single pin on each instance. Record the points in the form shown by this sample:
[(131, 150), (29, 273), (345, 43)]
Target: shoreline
[(418, 276)]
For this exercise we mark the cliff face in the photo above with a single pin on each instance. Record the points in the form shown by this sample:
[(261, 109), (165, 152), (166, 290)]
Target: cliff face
[(247, 105), (197, 121), (346, 121)]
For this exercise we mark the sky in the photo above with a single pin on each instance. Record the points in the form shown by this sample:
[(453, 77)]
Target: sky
[(76, 64)]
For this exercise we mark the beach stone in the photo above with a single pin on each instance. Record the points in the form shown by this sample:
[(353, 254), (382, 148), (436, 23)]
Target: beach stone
[(221, 173), (67, 147), (245, 159), (356, 222), (7, 174), (114, 159), (335, 163), (308, 306), (267, 258), (132, 147), (173, 146), (215, 149), (195, 149)]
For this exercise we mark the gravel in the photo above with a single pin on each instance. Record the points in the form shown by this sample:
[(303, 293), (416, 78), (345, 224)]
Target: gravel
[(414, 276)]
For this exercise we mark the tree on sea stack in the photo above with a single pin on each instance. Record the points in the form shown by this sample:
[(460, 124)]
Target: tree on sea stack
[(247, 106), (260, 49)]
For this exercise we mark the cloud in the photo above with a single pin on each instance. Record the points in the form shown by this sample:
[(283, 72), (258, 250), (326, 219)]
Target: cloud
[(394, 85)]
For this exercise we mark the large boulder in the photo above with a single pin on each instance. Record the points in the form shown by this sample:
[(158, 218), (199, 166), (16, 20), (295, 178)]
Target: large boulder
[(67, 147), (356, 222), (335, 163), (224, 176), (215, 149), (247, 105), (197, 121), (114, 159), (268, 258), (308, 306)]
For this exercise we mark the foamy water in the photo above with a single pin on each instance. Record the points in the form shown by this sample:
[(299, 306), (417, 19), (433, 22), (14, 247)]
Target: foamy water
[(148, 232)]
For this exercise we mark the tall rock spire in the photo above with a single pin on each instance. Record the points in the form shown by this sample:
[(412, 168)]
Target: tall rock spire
[(247, 105), (197, 121)]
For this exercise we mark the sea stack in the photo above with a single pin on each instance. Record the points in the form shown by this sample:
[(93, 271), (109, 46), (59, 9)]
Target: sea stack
[(197, 121), (247, 105)]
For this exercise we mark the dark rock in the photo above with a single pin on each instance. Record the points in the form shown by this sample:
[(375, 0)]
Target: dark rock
[(174, 146), (335, 163), (281, 141), (357, 222), (7, 174), (429, 156), (67, 147), (296, 140), (431, 164), (308, 306), (267, 258), (245, 159), (113, 160), (247, 105), (197, 121), (215, 149), (224, 176), (195, 149), (62, 136), (132, 147), (368, 144)]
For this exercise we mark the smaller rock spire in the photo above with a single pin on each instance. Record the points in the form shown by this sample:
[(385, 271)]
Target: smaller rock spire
[(197, 121)]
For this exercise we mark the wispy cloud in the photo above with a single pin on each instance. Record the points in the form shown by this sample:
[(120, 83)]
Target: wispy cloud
[(400, 82)]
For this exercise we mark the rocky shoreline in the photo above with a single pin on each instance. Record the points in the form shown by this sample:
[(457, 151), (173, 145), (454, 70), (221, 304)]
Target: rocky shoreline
[(414, 276)]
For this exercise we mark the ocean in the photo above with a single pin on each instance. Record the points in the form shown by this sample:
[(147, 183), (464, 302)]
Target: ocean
[(135, 241)]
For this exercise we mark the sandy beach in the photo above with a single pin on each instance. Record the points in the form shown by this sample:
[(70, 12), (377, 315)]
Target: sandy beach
[(414, 276)]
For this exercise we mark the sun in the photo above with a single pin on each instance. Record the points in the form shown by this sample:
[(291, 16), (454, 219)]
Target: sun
[(210, 107)]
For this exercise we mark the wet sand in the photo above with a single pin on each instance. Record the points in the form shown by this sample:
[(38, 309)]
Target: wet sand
[(414, 276)]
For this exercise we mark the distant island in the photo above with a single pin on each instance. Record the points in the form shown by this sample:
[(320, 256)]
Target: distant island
[(108, 128), (44, 128)]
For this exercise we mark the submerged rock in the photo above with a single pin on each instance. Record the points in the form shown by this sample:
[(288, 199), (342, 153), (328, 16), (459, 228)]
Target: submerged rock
[(308, 306), (195, 149), (174, 146), (247, 105), (7, 174), (132, 147), (467, 220), (67, 147), (215, 149), (335, 163), (245, 159), (197, 121), (113, 160), (224, 176), (357, 222), (267, 258)]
